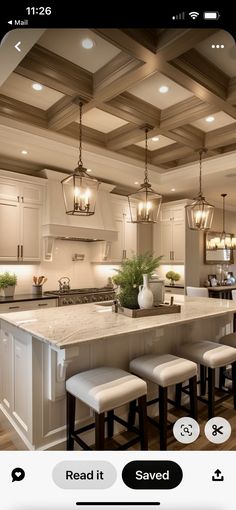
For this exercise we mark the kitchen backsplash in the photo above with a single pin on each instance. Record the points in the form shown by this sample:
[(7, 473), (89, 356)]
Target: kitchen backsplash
[(81, 273)]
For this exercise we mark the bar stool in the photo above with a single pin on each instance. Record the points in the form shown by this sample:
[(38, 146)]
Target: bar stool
[(103, 389), (165, 370), (210, 355), (229, 340)]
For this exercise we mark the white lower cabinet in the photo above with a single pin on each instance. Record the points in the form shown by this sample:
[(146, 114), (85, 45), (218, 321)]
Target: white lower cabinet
[(6, 369)]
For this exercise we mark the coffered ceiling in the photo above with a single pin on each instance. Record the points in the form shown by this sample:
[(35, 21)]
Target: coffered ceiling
[(172, 80)]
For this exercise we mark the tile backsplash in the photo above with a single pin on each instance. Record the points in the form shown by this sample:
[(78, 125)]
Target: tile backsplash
[(81, 273)]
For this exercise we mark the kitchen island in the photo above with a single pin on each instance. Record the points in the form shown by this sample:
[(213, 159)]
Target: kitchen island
[(40, 349)]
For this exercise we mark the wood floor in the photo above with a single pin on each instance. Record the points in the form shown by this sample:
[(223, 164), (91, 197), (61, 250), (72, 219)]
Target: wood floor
[(9, 439)]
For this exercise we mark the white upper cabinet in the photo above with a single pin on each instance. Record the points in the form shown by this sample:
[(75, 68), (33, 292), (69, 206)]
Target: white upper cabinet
[(126, 244), (169, 234), (20, 220)]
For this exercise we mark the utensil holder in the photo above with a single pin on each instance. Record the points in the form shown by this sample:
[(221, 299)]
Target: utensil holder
[(37, 289)]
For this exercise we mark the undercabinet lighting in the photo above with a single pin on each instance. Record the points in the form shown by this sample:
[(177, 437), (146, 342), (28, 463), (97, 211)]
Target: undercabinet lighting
[(87, 43), (37, 86), (89, 170), (210, 118), (163, 89), (155, 139), (172, 189), (136, 182), (24, 152)]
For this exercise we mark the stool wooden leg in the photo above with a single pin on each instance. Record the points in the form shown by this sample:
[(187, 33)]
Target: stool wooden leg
[(99, 431), (163, 417), (178, 394), (142, 411), (70, 419), (222, 378), (211, 393), (193, 397), (234, 382), (110, 424), (132, 412), (202, 380)]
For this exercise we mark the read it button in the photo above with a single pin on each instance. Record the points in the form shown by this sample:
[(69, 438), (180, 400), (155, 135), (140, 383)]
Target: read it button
[(152, 474), (84, 475)]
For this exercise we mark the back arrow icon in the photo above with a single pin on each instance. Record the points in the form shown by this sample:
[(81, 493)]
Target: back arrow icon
[(17, 46)]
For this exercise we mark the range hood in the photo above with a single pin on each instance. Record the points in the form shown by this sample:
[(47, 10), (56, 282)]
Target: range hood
[(57, 224)]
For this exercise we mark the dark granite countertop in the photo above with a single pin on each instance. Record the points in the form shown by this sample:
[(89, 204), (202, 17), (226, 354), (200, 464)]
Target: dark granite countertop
[(25, 297)]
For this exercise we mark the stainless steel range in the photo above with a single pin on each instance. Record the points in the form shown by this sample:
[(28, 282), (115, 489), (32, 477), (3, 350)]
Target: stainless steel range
[(80, 296)]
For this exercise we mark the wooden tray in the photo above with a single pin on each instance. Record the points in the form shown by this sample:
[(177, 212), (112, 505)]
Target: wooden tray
[(156, 310)]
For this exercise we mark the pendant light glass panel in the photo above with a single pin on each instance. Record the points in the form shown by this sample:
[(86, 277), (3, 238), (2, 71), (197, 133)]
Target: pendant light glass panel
[(79, 189), (144, 204), (200, 212)]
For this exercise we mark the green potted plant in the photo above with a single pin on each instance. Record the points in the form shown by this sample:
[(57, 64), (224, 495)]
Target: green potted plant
[(7, 283), (173, 277), (130, 276)]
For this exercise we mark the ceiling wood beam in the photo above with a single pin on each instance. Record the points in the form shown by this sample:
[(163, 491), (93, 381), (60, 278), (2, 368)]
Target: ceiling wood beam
[(199, 90), (187, 135), (221, 137), (53, 71), (124, 136), (170, 153), (120, 65), (18, 110), (231, 98), (91, 136), (195, 65), (133, 109), (185, 112)]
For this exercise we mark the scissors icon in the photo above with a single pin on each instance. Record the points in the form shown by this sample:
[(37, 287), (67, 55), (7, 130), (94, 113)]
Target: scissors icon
[(217, 430)]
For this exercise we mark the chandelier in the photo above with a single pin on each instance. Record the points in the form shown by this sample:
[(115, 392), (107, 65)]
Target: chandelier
[(200, 212), (79, 189), (223, 241), (144, 204)]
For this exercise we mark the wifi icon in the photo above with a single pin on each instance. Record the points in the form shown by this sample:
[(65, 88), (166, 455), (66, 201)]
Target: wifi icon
[(194, 14)]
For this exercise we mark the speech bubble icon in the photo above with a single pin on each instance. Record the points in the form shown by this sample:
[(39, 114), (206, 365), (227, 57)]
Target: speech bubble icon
[(18, 474)]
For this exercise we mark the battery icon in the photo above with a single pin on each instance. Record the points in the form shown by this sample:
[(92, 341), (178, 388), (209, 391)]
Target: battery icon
[(211, 15)]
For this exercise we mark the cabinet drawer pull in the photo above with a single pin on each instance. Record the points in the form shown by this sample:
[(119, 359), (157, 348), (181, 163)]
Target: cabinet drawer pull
[(13, 307), (18, 198), (22, 199), (21, 251), (42, 304), (18, 251)]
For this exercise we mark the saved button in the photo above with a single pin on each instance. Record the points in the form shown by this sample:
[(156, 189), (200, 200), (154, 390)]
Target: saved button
[(152, 474)]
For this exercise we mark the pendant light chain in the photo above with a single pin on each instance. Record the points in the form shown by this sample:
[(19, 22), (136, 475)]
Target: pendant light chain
[(223, 196), (146, 158), (200, 174), (80, 135)]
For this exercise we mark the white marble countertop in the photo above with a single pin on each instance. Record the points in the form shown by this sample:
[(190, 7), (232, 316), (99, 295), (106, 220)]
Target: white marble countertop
[(70, 325)]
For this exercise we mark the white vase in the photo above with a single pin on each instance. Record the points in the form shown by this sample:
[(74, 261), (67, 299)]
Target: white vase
[(145, 295)]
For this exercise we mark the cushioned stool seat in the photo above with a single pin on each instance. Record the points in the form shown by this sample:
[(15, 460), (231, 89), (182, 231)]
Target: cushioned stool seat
[(103, 389), (210, 355), (229, 339), (165, 370)]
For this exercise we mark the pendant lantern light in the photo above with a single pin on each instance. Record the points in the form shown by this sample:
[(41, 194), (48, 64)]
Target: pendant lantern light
[(224, 241), (147, 200), (200, 212), (79, 189)]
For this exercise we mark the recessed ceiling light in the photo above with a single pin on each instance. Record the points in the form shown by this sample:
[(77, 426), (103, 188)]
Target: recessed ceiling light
[(163, 89), (24, 152), (155, 139), (87, 43), (89, 170), (37, 86), (136, 182), (210, 118), (172, 189)]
